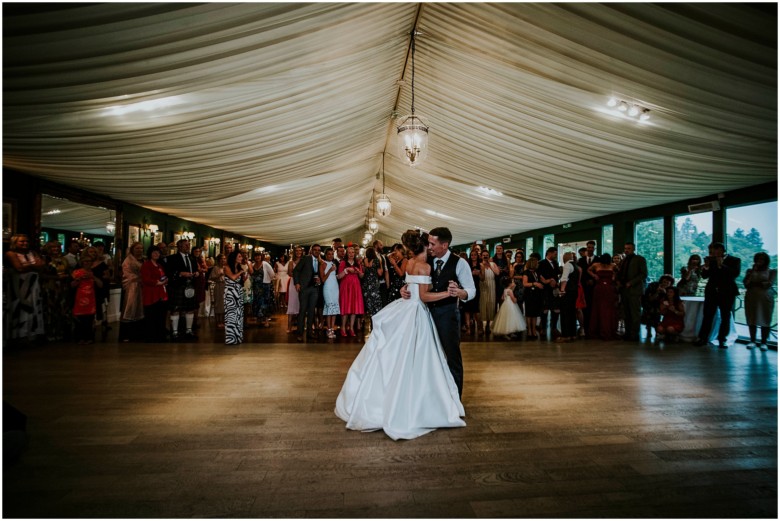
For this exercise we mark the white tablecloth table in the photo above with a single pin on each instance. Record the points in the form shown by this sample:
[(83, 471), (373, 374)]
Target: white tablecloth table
[(694, 310)]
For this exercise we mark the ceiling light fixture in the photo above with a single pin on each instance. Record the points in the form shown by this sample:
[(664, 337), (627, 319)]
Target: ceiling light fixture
[(629, 109), (412, 131), (373, 224), (111, 224), (383, 205)]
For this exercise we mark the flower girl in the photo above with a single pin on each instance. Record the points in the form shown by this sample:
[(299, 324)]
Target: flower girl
[(509, 319)]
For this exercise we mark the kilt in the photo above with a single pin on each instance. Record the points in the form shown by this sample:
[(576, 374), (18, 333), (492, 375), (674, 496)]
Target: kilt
[(178, 302)]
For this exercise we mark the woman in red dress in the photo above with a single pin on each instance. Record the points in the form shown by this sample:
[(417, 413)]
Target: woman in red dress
[(350, 292), (155, 295), (673, 311), (603, 318)]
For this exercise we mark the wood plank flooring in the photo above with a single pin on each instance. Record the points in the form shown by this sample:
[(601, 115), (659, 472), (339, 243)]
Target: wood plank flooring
[(580, 430)]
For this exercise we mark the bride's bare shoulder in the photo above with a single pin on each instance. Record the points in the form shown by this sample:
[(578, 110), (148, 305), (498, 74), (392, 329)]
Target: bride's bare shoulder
[(416, 267)]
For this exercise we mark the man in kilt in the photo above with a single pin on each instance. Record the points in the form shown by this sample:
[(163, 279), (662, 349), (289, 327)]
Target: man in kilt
[(182, 268)]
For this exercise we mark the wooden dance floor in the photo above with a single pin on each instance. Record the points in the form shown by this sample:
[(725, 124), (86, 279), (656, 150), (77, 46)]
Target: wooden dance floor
[(580, 430)]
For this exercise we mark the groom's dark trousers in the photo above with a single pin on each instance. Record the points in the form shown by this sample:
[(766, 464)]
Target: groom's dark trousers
[(447, 319)]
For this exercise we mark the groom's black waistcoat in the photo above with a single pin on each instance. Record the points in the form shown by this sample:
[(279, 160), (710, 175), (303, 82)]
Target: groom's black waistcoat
[(441, 282)]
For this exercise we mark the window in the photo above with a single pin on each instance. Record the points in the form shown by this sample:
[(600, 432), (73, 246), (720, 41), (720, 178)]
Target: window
[(750, 229), (529, 246), (548, 242), (649, 239), (692, 236), (607, 245)]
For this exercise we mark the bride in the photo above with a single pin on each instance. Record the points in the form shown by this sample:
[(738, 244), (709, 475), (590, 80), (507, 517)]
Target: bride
[(400, 381)]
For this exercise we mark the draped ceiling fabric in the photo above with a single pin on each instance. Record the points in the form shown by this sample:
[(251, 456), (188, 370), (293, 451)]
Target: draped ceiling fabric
[(270, 120)]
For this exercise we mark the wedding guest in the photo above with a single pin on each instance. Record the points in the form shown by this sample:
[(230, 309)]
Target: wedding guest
[(248, 267), (55, 290), (132, 295), (396, 267), (761, 282), (262, 278), (721, 291), (306, 278), (690, 276), (72, 255), (617, 260), (235, 276), (199, 283), (651, 303), (471, 307), (673, 312), (604, 315), (509, 320), (102, 271), (518, 268), (569, 291), (532, 294), (330, 292), (384, 279), (499, 259), (84, 303), (217, 276), (104, 293), (372, 274), (182, 269), (631, 279), (549, 272), (489, 272), (350, 294), (293, 303), (155, 295), (282, 280), (587, 258), (26, 302)]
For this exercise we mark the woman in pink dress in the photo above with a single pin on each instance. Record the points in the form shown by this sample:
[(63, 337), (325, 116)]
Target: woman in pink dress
[(350, 292), (603, 318)]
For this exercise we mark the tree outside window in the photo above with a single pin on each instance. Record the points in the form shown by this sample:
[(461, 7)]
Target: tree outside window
[(692, 236), (649, 240)]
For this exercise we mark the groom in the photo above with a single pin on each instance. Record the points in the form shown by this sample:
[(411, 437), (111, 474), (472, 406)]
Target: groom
[(452, 274)]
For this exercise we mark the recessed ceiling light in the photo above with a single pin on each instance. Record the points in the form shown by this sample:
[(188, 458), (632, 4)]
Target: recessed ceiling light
[(488, 191)]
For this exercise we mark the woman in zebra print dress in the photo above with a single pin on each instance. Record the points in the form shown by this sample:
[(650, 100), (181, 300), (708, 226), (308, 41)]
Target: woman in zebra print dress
[(234, 298)]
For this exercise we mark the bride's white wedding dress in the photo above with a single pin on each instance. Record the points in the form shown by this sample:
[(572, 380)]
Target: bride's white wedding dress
[(400, 381)]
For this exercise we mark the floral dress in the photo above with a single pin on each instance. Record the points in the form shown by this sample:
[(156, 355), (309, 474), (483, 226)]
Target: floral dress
[(372, 298)]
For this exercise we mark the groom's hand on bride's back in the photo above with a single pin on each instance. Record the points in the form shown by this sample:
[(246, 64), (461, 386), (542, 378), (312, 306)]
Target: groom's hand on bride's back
[(405, 293)]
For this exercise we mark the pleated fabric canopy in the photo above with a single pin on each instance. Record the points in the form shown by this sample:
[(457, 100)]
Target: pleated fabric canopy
[(272, 120)]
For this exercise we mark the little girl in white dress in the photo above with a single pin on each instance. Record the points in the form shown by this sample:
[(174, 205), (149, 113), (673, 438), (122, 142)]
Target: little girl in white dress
[(509, 319)]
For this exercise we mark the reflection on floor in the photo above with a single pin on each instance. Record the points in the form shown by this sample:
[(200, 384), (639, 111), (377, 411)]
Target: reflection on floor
[(199, 429)]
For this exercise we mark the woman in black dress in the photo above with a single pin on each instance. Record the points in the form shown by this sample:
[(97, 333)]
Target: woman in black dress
[(396, 265), (532, 295)]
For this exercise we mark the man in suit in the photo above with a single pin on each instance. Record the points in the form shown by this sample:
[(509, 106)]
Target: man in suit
[(549, 273), (721, 272), (306, 277), (452, 274), (181, 269), (631, 280), (587, 257)]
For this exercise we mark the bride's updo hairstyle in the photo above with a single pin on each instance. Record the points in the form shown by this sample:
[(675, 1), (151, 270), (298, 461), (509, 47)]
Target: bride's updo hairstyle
[(415, 241)]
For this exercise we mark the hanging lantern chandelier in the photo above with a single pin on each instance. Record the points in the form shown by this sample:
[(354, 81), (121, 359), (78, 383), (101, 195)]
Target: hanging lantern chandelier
[(412, 131), (373, 224), (110, 224), (383, 205)]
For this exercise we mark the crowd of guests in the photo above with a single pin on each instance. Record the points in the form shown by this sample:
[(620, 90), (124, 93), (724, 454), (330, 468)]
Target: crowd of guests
[(608, 297), (334, 291)]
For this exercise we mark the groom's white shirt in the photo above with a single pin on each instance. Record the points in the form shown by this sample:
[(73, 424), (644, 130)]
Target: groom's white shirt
[(463, 271)]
